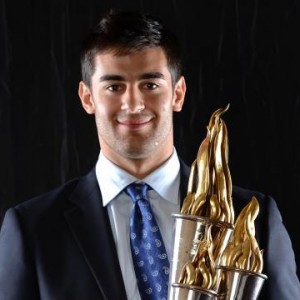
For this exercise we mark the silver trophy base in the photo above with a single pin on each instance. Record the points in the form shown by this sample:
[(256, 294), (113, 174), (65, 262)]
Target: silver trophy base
[(240, 284), (191, 292), (188, 232)]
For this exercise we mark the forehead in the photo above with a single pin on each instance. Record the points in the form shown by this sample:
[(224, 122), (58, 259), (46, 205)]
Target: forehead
[(132, 63)]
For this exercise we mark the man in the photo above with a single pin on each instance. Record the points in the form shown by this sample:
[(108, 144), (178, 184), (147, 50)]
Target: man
[(73, 242)]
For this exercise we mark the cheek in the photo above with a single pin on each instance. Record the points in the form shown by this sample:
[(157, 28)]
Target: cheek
[(164, 102), (167, 106), (105, 108), (104, 104), (164, 112)]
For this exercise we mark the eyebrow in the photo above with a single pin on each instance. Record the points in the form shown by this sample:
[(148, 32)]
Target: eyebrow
[(150, 75)]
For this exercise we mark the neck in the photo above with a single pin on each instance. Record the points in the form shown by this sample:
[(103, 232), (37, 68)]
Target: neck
[(140, 167)]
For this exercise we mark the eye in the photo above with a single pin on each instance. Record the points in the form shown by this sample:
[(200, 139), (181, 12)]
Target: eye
[(114, 88), (151, 86)]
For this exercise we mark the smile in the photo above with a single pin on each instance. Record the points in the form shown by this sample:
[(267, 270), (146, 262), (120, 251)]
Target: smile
[(134, 124)]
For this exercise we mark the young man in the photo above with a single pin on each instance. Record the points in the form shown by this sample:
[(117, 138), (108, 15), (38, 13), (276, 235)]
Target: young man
[(73, 242)]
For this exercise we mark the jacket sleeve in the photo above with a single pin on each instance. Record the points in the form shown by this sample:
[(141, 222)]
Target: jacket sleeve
[(17, 274), (279, 258)]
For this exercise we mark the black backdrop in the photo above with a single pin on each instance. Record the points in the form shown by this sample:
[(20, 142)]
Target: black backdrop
[(245, 53)]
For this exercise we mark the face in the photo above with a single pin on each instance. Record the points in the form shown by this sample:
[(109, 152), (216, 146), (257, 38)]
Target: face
[(133, 100)]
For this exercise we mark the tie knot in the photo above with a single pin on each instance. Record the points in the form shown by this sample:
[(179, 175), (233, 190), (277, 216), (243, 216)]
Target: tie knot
[(138, 191)]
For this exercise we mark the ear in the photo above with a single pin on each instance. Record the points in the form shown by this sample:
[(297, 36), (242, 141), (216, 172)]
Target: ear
[(86, 98), (179, 94)]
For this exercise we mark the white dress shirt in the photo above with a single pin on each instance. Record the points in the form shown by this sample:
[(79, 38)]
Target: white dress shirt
[(164, 200)]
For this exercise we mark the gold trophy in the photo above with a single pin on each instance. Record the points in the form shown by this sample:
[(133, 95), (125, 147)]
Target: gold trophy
[(214, 257), (240, 270)]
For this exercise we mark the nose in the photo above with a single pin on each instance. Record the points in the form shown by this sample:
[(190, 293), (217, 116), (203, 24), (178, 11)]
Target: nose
[(132, 101)]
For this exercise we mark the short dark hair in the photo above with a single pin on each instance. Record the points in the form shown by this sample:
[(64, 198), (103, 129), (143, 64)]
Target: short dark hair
[(129, 31)]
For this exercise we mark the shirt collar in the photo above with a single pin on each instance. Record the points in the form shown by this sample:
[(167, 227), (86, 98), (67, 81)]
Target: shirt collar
[(112, 179)]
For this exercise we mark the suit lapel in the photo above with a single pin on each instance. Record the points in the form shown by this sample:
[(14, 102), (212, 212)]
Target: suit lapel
[(90, 226), (89, 223)]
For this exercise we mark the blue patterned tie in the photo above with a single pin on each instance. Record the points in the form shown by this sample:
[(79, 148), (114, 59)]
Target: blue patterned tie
[(149, 255)]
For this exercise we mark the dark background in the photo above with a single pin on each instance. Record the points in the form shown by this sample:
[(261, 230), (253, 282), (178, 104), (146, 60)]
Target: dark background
[(245, 53)]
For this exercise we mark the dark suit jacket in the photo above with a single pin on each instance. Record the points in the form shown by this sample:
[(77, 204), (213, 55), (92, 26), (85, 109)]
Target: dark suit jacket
[(59, 246)]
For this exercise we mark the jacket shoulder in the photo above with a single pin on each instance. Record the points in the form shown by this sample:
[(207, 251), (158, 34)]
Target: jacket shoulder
[(58, 199)]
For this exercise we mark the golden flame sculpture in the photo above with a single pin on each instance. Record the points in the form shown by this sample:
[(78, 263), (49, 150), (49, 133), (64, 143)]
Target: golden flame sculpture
[(243, 252), (210, 186), (209, 195), (201, 271)]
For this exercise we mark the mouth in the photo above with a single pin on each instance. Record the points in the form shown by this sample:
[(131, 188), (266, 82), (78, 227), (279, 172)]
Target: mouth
[(134, 123)]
